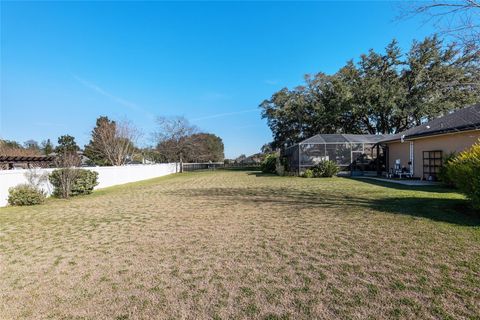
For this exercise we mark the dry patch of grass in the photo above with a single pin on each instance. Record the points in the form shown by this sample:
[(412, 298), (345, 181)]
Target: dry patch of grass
[(243, 245)]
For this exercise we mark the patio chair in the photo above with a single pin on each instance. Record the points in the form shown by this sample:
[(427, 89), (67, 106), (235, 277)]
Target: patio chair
[(399, 171)]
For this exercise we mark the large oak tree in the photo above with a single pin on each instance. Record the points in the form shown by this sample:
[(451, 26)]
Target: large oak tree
[(386, 92)]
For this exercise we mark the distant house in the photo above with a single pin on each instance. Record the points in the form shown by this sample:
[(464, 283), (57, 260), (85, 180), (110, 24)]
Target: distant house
[(421, 150), (254, 159), (84, 160)]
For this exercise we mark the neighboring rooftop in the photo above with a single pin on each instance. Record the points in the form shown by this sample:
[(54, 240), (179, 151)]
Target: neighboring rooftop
[(461, 120)]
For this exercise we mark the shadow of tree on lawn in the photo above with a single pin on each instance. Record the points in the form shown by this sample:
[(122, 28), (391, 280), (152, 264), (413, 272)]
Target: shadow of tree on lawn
[(397, 186), (455, 211)]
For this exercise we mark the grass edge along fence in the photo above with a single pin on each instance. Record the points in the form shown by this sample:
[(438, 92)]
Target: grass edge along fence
[(111, 175), (187, 167), (107, 176), (194, 166)]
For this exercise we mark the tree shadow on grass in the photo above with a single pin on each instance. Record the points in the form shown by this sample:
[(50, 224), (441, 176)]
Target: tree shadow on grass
[(246, 168), (288, 197), (262, 174), (455, 211), (397, 186)]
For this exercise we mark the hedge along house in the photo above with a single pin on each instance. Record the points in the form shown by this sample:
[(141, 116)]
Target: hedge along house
[(421, 150), (351, 152)]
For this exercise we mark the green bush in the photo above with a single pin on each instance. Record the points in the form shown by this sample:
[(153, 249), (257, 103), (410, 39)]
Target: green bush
[(76, 181), (25, 195), (464, 170), (325, 169), (308, 173), (84, 182), (268, 164), (445, 174)]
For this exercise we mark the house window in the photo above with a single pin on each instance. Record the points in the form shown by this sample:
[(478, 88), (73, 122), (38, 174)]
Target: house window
[(432, 162)]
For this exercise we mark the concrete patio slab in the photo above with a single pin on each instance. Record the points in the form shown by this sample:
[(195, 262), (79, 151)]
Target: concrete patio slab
[(403, 182)]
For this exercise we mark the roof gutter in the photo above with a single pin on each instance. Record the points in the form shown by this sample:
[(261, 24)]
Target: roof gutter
[(434, 133), (447, 131)]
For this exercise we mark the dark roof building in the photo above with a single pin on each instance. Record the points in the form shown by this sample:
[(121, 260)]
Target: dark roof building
[(465, 119), (421, 150)]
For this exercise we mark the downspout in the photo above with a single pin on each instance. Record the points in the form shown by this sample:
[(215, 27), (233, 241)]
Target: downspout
[(411, 158)]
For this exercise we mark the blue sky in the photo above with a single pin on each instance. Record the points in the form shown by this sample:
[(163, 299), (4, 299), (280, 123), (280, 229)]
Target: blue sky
[(63, 64)]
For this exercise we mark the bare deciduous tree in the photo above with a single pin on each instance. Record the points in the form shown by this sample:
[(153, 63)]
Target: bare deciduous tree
[(11, 148), (459, 19), (36, 177), (115, 140), (171, 137)]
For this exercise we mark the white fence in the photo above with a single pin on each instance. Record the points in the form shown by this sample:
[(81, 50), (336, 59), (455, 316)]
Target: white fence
[(107, 176)]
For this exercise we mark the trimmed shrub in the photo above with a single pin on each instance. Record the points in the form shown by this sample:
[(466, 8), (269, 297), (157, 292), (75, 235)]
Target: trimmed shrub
[(308, 173), (84, 182), (325, 169), (464, 171), (62, 181), (445, 173), (25, 195), (72, 182), (269, 164)]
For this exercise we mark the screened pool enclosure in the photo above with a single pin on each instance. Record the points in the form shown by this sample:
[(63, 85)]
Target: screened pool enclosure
[(352, 152)]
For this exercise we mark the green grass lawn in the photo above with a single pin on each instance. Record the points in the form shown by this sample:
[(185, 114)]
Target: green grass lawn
[(233, 245)]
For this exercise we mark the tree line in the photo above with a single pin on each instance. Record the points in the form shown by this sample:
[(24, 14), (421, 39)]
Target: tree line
[(380, 93), (114, 143)]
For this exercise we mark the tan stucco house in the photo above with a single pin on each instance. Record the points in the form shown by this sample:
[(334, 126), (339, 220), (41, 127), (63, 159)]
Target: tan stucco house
[(421, 150)]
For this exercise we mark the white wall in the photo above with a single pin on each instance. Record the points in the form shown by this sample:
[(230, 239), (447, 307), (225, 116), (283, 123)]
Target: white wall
[(107, 176)]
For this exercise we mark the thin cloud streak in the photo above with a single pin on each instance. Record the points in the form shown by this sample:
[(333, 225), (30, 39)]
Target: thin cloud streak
[(272, 82), (221, 115), (119, 100)]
